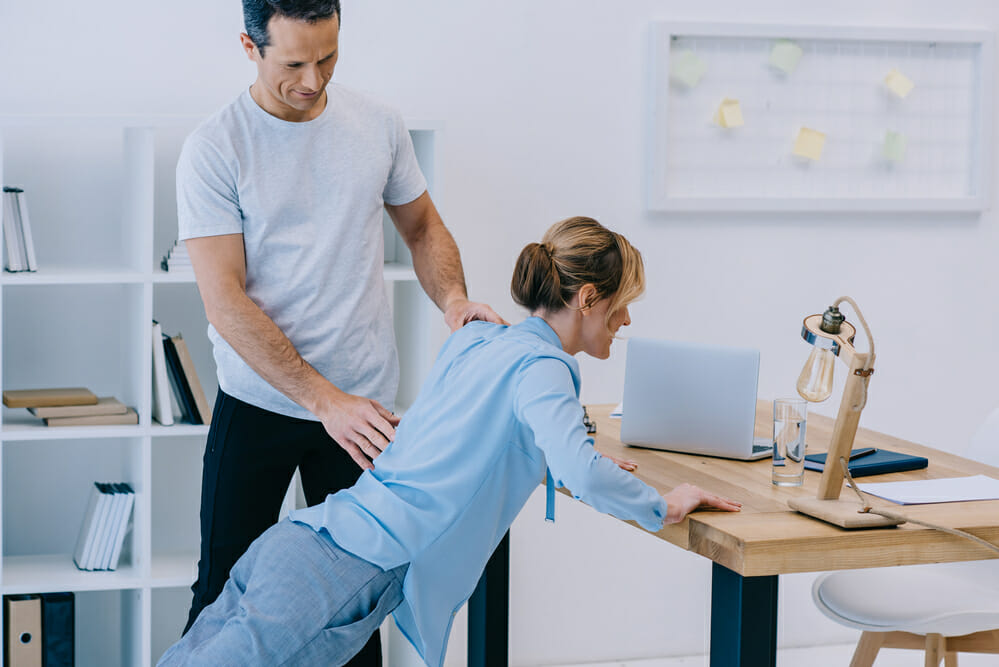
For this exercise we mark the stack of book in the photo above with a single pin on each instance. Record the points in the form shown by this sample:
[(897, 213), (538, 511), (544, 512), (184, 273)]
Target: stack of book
[(176, 258), (72, 406), (175, 381), (19, 247), (105, 524)]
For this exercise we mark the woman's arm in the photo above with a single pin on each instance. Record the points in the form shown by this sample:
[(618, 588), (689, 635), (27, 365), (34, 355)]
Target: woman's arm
[(547, 403)]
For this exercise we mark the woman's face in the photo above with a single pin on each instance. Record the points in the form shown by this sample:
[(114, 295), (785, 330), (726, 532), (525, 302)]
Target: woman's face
[(598, 332)]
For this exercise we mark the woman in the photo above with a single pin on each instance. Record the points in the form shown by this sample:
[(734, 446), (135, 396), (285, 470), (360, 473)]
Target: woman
[(413, 535)]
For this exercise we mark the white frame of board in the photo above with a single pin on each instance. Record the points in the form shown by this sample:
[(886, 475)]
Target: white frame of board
[(659, 198)]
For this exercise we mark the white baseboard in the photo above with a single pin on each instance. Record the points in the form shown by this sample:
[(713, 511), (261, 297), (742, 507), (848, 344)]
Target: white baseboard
[(814, 656)]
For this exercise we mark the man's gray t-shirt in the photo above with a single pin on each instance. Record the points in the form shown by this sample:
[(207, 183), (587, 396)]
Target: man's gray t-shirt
[(308, 199)]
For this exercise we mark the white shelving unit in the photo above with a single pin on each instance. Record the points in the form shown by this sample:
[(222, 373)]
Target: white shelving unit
[(100, 192)]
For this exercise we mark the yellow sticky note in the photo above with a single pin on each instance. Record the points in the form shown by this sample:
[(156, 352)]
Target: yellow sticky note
[(809, 143), (899, 83), (785, 56), (729, 113), (894, 146), (687, 68)]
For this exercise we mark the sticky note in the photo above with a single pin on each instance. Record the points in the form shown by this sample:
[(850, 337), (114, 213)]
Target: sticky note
[(729, 113), (687, 68), (899, 83), (785, 56), (809, 143), (894, 146)]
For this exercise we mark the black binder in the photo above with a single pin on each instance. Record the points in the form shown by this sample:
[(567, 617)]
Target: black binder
[(57, 629), (880, 462)]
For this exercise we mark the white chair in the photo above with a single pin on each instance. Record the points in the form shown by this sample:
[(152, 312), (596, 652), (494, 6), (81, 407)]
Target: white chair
[(943, 608)]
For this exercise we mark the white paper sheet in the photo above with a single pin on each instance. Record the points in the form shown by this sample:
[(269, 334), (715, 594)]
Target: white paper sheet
[(948, 490)]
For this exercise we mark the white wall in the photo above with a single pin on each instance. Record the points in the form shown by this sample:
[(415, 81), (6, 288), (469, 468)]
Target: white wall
[(544, 105)]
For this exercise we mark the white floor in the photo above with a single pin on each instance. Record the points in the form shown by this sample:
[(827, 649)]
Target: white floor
[(815, 656)]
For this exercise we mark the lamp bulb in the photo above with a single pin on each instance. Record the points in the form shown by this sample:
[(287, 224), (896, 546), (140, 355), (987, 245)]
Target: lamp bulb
[(816, 379)]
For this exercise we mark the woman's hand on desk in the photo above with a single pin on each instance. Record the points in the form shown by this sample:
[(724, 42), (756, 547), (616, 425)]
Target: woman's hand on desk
[(686, 498), (623, 464)]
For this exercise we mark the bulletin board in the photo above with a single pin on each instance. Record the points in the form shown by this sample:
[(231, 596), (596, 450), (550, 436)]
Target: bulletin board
[(815, 118)]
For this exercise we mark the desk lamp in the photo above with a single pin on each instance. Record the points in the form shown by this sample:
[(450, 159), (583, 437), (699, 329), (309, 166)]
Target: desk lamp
[(832, 337)]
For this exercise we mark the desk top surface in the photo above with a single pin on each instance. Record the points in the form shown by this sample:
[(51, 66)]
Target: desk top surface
[(767, 537)]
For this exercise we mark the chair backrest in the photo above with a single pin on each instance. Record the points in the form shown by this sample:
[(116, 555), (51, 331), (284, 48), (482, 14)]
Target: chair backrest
[(984, 444)]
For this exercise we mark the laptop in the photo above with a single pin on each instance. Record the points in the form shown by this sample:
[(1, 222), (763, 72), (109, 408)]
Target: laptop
[(693, 398)]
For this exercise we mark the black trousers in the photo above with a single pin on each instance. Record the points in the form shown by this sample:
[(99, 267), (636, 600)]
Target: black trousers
[(250, 457)]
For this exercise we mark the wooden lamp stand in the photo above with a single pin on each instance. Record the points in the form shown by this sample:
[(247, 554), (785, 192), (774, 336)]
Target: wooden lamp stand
[(827, 505)]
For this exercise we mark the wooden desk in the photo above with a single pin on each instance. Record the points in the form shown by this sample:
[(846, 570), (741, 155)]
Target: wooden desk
[(751, 548)]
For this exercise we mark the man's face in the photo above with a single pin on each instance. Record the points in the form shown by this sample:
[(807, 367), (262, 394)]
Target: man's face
[(297, 66)]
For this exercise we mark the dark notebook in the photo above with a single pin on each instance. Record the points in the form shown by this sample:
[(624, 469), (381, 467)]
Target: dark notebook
[(181, 389), (880, 462)]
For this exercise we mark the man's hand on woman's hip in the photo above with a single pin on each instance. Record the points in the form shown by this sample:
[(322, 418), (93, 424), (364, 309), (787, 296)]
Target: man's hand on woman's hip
[(362, 426)]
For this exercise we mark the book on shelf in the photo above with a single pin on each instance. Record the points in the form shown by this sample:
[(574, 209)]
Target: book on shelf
[(181, 391), (104, 527), (13, 260), (122, 531), (42, 398), (162, 397), (176, 258), (105, 405), (74, 406), (103, 560), (92, 516), (191, 374), (184, 379), (130, 416), (19, 244)]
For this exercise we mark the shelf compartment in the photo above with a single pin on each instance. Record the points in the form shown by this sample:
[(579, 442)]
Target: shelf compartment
[(109, 627), (46, 487), (176, 507), (75, 336), (170, 607), (85, 190)]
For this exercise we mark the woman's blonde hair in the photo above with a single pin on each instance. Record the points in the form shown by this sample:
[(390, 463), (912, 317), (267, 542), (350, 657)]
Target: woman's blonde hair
[(572, 253)]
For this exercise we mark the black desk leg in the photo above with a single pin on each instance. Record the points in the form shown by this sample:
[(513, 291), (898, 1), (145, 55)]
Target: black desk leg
[(743, 619), (489, 610)]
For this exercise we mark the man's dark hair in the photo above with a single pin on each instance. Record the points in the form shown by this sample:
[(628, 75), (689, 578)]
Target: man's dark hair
[(257, 15)]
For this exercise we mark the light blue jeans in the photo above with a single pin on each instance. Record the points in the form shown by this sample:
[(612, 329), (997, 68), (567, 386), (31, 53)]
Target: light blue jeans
[(294, 598)]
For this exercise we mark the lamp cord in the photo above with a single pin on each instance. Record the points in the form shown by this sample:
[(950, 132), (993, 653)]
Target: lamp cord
[(895, 516), (866, 377)]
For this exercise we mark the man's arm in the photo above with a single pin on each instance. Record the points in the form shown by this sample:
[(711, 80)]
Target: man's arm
[(437, 261), (362, 426)]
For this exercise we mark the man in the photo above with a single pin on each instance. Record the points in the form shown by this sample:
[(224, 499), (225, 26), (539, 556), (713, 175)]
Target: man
[(280, 198)]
